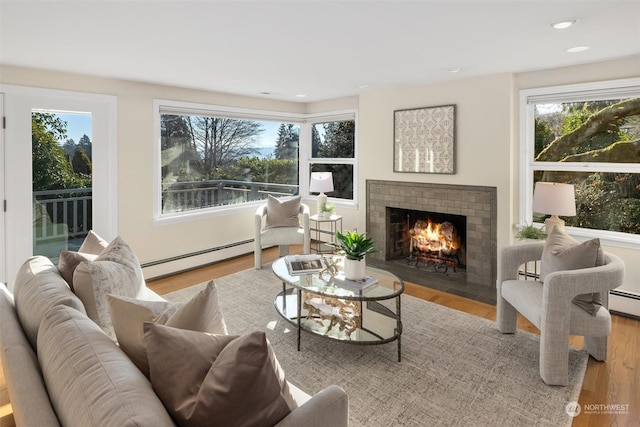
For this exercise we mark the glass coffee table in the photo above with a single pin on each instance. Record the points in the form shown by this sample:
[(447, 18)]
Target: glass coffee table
[(318, 304)]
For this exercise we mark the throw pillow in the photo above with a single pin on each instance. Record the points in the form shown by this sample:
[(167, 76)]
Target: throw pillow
[(69, 261), (282, 212), (115, 271), (562, 252), (205, 379), (128, 315), (93, 244)]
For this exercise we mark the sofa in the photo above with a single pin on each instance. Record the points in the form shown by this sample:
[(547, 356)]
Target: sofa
[(61, 368)]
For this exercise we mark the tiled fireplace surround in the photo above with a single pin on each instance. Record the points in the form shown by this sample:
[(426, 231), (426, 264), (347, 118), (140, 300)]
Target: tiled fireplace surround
[(477, 203)]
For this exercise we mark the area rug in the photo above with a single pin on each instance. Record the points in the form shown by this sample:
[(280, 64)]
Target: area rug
[(456, 368)]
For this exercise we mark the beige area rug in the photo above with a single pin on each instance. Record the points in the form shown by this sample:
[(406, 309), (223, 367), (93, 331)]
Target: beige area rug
[(456, 369)]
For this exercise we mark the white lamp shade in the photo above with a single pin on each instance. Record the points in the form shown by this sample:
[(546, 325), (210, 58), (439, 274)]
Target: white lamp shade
[(552, 198), (321, 182)]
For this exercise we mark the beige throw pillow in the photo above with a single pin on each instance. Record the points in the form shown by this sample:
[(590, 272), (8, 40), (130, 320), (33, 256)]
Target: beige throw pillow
[(562, 252), (115, 271), (223, 380), (93, 244), (69, 261), (128, 315), (282, 212)]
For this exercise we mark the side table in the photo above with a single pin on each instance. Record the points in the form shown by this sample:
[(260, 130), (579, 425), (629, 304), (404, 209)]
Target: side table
[(325, 232)]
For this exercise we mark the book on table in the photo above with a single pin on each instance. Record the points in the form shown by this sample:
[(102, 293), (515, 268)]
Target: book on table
[(304, 264), (360, 284)]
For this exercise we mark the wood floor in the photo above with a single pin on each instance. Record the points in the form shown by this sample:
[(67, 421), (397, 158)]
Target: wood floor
[(614, 382)]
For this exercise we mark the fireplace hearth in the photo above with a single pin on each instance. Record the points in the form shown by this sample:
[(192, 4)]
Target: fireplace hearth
[(436, 235)]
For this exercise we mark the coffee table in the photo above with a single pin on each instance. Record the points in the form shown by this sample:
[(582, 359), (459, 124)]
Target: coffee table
[(317, 304)]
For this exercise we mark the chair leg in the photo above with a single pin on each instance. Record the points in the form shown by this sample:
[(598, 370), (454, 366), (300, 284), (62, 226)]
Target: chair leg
[(507, 317), (257, 258), (554, 357), (284, 250), (596, 347)]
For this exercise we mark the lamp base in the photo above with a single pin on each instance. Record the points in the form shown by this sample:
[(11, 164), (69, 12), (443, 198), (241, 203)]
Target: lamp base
[(553, 221), (320, 201)]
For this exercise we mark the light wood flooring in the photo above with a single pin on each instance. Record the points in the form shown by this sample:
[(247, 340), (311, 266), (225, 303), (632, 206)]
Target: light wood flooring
[(614, 382)]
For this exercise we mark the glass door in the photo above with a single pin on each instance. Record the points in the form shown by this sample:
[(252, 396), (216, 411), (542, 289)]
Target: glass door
[(59, 172)]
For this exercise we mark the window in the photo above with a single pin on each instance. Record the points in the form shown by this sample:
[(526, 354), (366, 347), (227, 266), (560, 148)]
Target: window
[(587, 135), (333, 148), (211, 158)]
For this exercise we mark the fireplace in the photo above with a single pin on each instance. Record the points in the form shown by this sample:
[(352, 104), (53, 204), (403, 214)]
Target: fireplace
[(398, 211)]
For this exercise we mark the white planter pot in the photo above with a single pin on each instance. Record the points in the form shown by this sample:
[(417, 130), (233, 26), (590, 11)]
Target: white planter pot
[(354, 270)]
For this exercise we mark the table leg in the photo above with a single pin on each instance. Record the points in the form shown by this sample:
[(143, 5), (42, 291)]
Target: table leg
[(284, 298), (399, 326), (299, 315)]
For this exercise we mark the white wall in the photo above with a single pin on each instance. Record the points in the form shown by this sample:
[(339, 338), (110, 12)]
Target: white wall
[(483, 148)]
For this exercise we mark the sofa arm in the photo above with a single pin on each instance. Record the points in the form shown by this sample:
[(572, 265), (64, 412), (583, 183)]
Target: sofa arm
[(512, 257), (328, 408)]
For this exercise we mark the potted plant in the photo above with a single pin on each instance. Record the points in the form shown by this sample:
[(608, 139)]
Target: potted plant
[(355, 246), (326, 210), (531, 232)]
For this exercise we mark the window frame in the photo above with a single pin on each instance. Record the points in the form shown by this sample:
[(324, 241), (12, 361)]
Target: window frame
[(312, 120), (305, 121), (610, 89)]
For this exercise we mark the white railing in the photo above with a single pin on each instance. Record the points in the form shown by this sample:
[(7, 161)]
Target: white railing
[(68, 206), (189, 195)]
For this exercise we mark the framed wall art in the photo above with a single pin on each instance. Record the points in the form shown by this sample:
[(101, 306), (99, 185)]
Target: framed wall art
[(424, 140)]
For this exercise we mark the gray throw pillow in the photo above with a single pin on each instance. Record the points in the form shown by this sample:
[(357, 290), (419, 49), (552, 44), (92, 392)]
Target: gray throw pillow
[(283, 212), (562, 252)]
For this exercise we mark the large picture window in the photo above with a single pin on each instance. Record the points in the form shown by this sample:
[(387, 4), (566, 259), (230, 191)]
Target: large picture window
[(213, 160), (587, 135)]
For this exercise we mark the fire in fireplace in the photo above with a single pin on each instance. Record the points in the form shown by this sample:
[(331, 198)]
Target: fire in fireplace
[(434, 243), (427, 238)]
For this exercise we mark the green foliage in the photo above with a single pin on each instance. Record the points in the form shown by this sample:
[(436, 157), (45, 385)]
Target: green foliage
[(543, 135), (354, 245), (287, 142), (51, 169), (327, 207), (530, 231), (339, 140), (81, 163)]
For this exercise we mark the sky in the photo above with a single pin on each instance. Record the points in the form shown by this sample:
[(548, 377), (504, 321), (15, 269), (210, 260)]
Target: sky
[(80, 124)]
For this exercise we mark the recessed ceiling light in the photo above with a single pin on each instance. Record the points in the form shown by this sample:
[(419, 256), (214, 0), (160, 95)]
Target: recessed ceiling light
[(454, 70), (301, 95), (577, 49), (565, 23), (363, 86)]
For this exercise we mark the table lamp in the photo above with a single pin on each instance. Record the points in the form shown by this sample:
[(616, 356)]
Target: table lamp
[(552, 198), (321, 182)]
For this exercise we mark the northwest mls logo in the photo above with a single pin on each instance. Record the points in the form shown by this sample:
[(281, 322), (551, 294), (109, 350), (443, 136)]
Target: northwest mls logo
[(572, 409)]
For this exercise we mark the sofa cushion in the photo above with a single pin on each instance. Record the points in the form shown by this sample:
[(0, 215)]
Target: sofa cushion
[(38, 287), (562, 252), (128, 315), (205, 379), (27, 392), (283, 212), (90, 380)]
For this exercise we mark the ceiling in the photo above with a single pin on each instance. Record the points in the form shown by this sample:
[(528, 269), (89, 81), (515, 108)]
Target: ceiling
[(320, 49)]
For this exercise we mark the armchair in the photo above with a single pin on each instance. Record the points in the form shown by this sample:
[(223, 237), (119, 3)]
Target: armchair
[(549, 306), (283, 236)]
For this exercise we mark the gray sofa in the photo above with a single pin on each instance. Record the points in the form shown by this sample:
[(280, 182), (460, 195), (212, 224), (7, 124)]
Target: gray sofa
[(62, 369)]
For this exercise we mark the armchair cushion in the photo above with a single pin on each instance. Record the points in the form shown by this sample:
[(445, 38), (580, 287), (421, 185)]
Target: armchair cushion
[(283, 212), (562, 252)]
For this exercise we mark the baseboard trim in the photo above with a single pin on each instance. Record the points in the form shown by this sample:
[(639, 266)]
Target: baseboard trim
[(193, 254)]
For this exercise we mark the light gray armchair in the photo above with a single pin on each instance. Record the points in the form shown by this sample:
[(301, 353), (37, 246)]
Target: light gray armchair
[(281, 236), (549, 306)]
